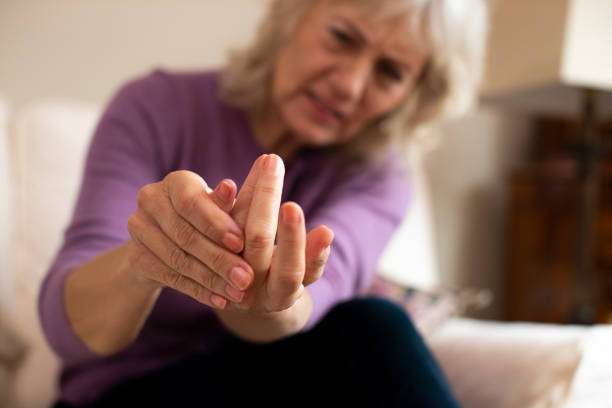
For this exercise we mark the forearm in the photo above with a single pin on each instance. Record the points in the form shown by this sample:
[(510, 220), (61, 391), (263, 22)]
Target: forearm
[(105, 304), (259, 328)]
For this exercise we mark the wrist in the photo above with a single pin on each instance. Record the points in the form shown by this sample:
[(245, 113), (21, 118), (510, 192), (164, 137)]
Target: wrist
[(130, 276), (261, 327)]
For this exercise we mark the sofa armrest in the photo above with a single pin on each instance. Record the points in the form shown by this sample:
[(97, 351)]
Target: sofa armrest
[(503, 365)]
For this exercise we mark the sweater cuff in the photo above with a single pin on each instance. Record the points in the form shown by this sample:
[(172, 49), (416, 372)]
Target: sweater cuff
[(54, 319)]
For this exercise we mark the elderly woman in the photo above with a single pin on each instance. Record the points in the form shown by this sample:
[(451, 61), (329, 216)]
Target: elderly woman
[(169, 293)]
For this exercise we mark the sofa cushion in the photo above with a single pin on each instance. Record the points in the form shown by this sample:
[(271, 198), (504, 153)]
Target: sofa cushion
[(48, 144), (507, 365), (5, 231)]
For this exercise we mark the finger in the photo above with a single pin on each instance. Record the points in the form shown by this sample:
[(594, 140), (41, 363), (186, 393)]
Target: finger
[(199, 210), (176, 281), (262, 221), (174, 258), (231, 267), (223, 195), (243, 202), (284, 282), (318, 248)]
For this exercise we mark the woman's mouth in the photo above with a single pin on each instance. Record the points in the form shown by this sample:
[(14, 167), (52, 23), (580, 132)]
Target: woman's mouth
[(323, 110)]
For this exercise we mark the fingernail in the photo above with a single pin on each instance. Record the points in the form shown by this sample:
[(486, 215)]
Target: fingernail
[(225, 191), (273, 164), (240, 277), (291, 215), (232, 242), (234, 293), (218, 301), (261, 160)]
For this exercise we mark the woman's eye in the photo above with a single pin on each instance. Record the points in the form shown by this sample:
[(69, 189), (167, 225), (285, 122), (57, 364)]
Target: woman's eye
[(391, 72), (342, 36)]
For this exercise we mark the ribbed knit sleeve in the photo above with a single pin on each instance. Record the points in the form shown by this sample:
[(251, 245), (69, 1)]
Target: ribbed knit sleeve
[(133, 143)]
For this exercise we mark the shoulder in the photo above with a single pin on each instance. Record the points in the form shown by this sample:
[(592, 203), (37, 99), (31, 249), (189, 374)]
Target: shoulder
[(161, 84)]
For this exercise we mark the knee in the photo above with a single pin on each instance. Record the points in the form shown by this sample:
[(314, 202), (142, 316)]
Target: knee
[(373, 316)]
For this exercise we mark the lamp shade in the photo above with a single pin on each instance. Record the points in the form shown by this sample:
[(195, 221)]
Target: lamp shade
[(541, 52)]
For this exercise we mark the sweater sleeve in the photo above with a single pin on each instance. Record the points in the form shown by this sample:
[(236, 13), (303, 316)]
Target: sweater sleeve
[(363, 213), (131, 146)]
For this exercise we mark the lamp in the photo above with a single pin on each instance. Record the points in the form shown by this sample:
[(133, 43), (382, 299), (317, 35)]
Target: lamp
[(555, 56)]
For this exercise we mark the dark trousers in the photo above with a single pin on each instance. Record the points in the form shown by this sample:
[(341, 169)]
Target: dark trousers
[(364, 352)]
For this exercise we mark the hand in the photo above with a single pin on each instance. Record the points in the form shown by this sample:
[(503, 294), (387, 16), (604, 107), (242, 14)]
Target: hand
[(182, 237), (281, 271)]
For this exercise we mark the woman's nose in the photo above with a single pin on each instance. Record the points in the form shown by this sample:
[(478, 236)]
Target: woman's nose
[(351, 79)]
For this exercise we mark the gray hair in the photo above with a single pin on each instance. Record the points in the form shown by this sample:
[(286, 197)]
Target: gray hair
[(454, 30)]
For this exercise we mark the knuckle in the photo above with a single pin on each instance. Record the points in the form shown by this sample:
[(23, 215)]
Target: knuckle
[(135, 224), (201, 294), (210, 230), (171, 278), (289, 284), (173, 176), (319, 262), (259, 240), (278, 305), (292, 241), (184, 233), (208, 280), (185, 201), (145, 194), (179, 260), (132, 223), (217, 260), (271, 190)]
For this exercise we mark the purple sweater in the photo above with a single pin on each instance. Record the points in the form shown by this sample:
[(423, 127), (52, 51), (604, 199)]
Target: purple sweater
[(166, 121)]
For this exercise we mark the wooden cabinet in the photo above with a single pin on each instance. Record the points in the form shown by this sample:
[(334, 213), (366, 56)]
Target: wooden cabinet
[(543, 233)]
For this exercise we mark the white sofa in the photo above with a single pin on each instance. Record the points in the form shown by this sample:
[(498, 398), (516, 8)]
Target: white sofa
[(42, 148)]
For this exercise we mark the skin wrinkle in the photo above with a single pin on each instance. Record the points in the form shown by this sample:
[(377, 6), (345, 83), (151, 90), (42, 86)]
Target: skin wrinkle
[(336, 52)]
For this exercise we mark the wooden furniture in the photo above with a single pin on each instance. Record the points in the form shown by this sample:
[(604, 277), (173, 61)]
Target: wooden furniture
[(543, 231)]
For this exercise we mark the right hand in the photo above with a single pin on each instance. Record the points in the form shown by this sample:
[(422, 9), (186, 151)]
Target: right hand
[(182, 237)]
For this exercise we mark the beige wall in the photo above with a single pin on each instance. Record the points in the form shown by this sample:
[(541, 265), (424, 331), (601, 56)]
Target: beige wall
[(85, 49), (469, 176)]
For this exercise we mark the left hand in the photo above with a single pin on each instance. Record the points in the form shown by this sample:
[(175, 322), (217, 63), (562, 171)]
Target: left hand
[(283, 270)]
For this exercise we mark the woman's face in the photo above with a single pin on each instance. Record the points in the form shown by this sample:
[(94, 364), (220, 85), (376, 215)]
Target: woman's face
[(342, 70)]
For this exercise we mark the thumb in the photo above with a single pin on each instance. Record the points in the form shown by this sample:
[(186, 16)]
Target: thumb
[(223, 195), (318, 248)]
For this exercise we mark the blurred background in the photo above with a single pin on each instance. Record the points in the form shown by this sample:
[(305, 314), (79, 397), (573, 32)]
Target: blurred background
[(83, 51), (515, 195)]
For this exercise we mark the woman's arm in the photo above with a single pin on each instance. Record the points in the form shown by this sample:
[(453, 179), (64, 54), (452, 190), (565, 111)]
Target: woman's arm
[(127, 151), (106, 303)]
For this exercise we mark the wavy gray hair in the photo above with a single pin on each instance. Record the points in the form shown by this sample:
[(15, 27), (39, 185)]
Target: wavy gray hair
[(454, 30)]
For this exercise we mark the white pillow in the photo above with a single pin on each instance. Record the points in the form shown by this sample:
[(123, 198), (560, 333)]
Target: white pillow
[(48, 147), (508, 365), (5, 231)]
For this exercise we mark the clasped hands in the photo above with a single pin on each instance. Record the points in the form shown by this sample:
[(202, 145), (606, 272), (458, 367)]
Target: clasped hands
[(221, 251)]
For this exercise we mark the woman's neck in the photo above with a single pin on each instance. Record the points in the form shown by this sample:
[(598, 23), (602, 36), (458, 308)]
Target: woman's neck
[(273, 135)]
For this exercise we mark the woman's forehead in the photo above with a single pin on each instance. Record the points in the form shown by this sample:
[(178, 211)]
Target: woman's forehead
[(401, 28)]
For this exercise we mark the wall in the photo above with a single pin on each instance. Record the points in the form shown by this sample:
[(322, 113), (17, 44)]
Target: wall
[(469, 176), (85, 49)]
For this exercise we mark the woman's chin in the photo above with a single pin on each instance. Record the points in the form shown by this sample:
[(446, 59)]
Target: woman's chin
[(315, 136)]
